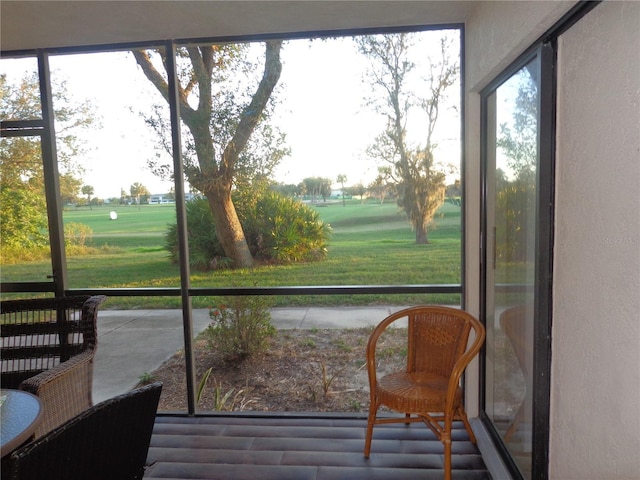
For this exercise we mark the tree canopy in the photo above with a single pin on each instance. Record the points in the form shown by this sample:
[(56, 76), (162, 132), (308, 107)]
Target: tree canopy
[(23, 204), (317, 187), (88, 190)]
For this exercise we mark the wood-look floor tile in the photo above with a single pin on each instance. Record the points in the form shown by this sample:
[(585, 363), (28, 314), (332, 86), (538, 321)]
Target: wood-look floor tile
[(292, 447)]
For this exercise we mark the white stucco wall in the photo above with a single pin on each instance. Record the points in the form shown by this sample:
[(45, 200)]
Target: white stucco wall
[(595, 396)]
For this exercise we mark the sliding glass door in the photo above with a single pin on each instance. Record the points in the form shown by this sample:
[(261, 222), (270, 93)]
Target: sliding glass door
[(516, 247)]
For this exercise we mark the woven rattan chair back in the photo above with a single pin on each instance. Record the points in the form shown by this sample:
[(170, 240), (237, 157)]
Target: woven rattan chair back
[(436, 340), (106, 442)]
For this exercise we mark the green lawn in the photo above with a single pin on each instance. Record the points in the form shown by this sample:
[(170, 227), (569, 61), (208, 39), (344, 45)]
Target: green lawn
[(142, 226), (371, 244)]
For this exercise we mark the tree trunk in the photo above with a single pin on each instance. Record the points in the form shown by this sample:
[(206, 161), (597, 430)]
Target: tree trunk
[(228, 228), (421, 232)]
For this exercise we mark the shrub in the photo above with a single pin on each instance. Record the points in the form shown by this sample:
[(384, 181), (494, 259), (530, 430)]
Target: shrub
[(14, 254), (287, 230), (240, 326), (204, 247), (77, 234), (277, 228), (23, 214)]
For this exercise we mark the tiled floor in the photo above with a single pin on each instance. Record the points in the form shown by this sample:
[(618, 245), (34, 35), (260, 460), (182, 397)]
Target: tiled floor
[(297, 447)]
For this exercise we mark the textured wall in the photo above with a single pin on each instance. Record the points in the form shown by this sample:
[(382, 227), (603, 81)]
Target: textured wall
[(595, 398)]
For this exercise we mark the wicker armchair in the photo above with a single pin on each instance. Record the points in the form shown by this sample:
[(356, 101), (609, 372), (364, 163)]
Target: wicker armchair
[(108, 441), (48, 347), (437, 354)]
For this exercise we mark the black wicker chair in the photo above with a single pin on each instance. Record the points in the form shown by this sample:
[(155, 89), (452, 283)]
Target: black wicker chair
[(106, 442), (48, 348)]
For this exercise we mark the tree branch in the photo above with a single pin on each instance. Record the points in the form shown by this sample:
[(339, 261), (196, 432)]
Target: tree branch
[(253, 112), (158, 81)]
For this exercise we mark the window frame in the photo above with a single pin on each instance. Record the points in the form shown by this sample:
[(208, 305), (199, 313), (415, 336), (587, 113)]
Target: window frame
[(59, 283)]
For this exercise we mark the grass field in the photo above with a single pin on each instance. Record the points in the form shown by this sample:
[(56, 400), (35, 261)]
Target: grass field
[(372, 244), (135, 227)]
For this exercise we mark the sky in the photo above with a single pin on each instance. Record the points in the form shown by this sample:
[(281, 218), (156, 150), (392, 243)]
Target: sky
[(325, 119), (322, 110)]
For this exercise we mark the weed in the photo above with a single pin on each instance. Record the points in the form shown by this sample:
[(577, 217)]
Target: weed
[(309, 343), (203, 384), (327, 379), (342, 345), (222, 401), (354, 405), (323, 378), (146, 378)]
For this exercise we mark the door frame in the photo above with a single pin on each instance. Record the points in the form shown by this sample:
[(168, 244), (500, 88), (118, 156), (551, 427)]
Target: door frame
[(544, 57)]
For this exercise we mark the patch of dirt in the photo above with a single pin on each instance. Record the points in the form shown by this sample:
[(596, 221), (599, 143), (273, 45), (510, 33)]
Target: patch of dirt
[(301, 371)]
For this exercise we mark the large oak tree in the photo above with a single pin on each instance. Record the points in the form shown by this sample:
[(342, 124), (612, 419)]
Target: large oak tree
[(221, 124)]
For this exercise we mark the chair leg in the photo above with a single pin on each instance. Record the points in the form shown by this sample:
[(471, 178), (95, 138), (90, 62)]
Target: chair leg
[(467, 426), (373, 410), (446, 440)]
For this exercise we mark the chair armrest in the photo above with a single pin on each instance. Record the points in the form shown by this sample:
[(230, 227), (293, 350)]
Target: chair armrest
[(65, 390), (463, 362)]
